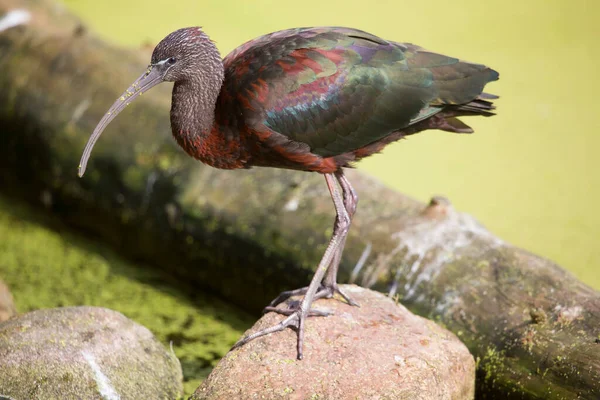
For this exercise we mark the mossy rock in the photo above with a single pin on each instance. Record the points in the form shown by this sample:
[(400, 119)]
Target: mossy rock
[(84, 352)]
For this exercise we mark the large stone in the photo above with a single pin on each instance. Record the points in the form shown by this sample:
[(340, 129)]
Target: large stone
[(377, 351), (84, 353), (7, 306)]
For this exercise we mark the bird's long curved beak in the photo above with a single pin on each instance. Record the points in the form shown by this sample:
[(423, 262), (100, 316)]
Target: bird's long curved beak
[(151, 77)]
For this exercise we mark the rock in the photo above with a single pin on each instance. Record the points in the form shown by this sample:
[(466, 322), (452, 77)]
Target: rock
[(7, 306), (84, 353), (377, 351)]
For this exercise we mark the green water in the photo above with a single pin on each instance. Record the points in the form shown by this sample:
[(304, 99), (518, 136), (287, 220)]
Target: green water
[(530, 174)]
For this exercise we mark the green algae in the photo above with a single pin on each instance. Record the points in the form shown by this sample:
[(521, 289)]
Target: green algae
[(47, 266)]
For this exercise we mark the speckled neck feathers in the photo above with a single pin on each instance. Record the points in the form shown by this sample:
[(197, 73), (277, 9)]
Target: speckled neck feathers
[(194, 100)]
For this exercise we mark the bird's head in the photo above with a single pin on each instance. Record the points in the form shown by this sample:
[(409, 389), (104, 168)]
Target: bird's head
[(184, 55)]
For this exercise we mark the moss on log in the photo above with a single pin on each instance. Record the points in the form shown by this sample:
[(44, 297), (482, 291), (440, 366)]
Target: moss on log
[(246, 235)]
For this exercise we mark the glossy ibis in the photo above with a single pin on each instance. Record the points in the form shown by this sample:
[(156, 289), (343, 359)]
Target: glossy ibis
[(308, 99)]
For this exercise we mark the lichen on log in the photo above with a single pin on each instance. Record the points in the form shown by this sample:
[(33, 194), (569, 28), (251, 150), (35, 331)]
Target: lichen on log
[(247, 235)]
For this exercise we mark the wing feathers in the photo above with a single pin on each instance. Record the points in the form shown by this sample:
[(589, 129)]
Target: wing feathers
[(336, 90)]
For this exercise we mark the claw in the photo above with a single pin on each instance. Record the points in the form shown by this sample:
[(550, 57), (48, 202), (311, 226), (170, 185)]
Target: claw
[(283, 296), (294, 321), (324, 292), (291, 310), (296, 316), (347, 298)]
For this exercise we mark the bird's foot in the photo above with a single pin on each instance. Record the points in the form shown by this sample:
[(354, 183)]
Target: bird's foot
[(333, 289), (324, 292), (294, 306), (294, 321)]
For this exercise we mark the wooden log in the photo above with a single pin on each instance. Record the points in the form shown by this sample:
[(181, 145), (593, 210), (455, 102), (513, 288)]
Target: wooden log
[(246, 235)]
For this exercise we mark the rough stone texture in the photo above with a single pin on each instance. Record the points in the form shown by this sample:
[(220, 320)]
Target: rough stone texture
[(84, 353), (377, 351), (7, 306)]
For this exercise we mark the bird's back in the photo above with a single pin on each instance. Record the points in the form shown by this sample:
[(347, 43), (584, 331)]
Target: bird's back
[(333, 91)]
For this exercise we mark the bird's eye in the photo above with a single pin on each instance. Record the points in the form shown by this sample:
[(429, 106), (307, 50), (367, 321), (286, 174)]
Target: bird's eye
[(171, 60)]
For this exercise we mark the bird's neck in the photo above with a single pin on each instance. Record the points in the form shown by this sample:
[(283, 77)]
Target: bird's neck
[(192, 109), (193, 121)]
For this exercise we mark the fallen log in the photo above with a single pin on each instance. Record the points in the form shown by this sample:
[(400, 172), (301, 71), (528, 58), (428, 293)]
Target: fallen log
[(246, 235)]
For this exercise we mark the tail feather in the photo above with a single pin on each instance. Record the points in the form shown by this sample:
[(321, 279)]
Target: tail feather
[(447, 119), (479, 106), (488, 96), (454, 125)]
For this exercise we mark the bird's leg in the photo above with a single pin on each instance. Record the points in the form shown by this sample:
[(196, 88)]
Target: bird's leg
[(298, 317), (329, 286)]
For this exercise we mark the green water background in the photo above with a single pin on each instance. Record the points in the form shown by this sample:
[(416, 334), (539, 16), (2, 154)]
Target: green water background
[(530, 174)]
